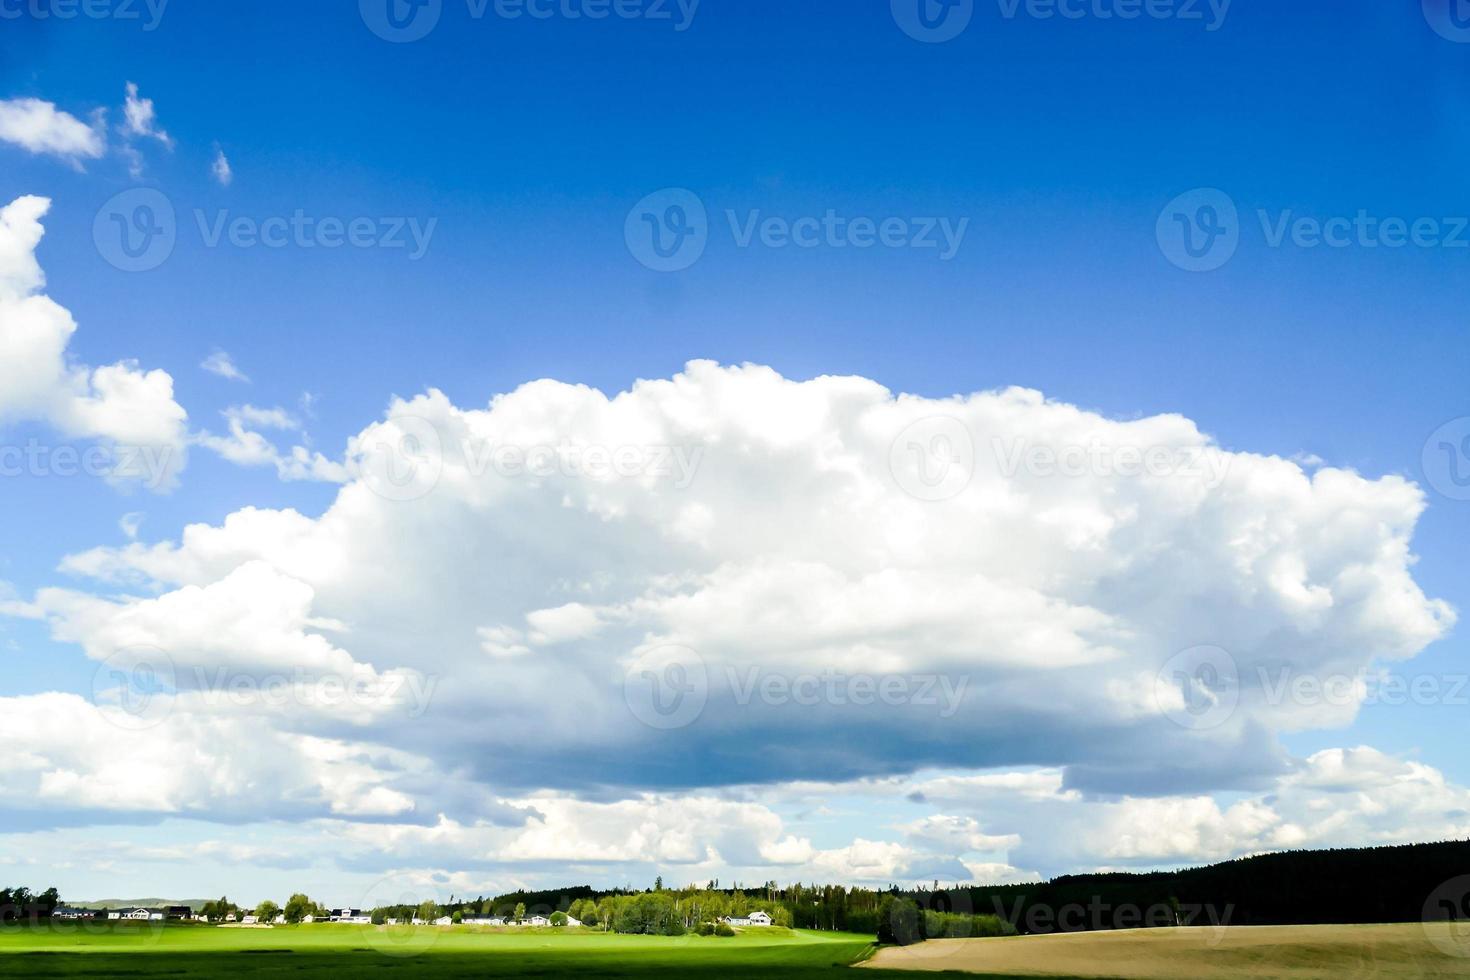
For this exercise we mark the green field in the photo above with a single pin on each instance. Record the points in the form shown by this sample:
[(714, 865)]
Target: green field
[(367, 952)]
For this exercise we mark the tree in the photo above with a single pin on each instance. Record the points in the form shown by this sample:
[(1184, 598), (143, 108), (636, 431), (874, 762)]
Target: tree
[(457, 917), (558, 918), (520, 912), (427, 911), (298, 907), (267, 911), (898, 921)]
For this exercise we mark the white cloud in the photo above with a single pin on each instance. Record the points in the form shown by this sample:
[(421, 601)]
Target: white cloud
[(222, 364), (120, 404), (41, 127), (1040, 599), (220, 168), (141, 120)]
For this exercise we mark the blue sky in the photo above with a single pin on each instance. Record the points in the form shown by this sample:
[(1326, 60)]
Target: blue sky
[(526, 142)]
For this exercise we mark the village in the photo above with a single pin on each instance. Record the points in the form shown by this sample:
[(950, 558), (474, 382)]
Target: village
[(352, 916)]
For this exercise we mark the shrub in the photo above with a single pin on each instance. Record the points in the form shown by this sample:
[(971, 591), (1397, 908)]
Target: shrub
[(723, 929), (705, 929)]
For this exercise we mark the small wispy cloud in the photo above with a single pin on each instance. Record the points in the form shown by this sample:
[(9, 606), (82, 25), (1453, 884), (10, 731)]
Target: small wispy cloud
[(221, 167), (220, 363), (140, 119), (130, 523)]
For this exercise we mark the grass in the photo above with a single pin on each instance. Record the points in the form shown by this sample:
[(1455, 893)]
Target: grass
[(142, 950)]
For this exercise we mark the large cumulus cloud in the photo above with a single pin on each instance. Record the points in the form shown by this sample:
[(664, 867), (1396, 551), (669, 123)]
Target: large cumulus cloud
[(530, 553)]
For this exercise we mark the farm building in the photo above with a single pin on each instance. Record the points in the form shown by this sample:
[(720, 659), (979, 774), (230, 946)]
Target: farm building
[(754, 919)]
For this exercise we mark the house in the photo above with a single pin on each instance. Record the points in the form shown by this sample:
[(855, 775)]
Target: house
[(308, 919), (538, 920), (178, 913), (753, 919), (61, 912), (573, 922), (444, 920), (483, 920), (352, 917), (141, 915), (229, 917), (249, 920), (279, 920)]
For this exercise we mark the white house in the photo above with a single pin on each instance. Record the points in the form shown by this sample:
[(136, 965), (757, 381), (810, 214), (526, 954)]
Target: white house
[(538, 920), (444, 920), (753, 919), (114, 915), (483, 920), (573, 922), (352, 917), (141, 915), (308, 918), (229, 917), (249, 920), (279, 920)]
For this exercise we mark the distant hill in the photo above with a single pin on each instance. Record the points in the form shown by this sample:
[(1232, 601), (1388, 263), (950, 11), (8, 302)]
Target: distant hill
[(146, 903), (1359, 885)]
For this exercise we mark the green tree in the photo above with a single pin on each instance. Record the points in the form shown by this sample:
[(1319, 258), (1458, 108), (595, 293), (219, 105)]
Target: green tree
[(267, 911), (298, 907), (427, 911), (520, 912)]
